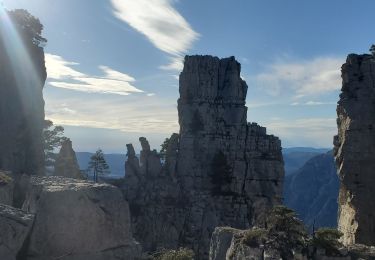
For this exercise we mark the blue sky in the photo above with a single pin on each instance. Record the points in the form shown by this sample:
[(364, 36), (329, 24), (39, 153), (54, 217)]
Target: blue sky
[(113, 65)]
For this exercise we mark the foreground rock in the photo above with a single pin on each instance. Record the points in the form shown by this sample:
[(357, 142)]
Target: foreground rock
[(22, 77), (355, 150), (15, 225), (254, 245), (78, 220), (219, 169), (66, 163)]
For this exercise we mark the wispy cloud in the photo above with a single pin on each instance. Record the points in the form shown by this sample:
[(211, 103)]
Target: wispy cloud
[(161, 23), (303, 78), (134, 113), (62, 74), (316, 132), (312, 103)]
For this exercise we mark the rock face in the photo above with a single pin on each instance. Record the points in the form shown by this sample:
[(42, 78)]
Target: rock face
[(219, 170), (312, 192), (15, 225), (78, 220), (355, 150), (66, 164), (22, 77), (6, 188)]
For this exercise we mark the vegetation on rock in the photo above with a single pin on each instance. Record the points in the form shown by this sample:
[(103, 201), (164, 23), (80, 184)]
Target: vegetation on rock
[(53, 137), (98, 165), (327, 238), (179, 254)]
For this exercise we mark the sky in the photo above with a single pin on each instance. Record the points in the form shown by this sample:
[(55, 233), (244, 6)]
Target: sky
[(113, 65)]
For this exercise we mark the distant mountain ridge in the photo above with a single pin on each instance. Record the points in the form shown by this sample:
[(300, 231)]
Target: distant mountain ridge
[(312, 191), (296, 157)]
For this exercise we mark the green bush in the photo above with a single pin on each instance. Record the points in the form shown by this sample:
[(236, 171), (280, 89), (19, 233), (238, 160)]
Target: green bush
[(4, 179), (327, 238), (179, 254), (254, 237)]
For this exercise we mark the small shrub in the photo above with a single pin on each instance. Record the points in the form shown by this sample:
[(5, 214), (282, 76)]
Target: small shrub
[(4, 179), (254, 237), (179, 254), (327, 238)]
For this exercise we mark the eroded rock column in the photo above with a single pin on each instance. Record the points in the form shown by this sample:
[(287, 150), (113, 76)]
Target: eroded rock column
[(355, 150)]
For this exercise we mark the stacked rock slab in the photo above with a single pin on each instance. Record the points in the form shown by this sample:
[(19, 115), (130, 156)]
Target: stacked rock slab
[(66, 163), (78, 220), (22, 77), (355, 150), (219, 171)]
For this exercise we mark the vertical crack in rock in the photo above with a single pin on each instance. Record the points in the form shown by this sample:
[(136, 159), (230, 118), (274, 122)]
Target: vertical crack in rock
[(224, 172), (355, 152)]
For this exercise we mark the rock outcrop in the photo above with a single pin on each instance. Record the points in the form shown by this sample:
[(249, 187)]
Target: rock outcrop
[(66, 164), (312, 192), (78, 220), (15, 226), (22, 77), (219, 170), (6, 188), (355, 150)]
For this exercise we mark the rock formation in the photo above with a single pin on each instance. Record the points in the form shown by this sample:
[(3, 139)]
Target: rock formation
[(22, 77), (6, 188), (15, 225), (66, 164), (78, 220), (232, 244), (355, 150), (312, 192), (220, 170)]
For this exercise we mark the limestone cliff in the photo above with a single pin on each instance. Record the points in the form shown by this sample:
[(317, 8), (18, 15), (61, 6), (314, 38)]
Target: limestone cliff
[(219, 170), (355, 150), (66, 164), (22, 77)]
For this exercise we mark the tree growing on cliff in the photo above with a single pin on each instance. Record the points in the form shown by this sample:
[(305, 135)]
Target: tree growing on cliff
[(98, 165), (53, 137), (28, 27), (163, 150), (372, 49)]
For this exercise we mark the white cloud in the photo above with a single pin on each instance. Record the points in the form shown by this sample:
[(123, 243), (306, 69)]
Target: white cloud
[(61, 74), (163, 25), (312, 103), (305, 78)]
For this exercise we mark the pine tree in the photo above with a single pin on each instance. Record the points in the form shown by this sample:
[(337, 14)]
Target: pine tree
[(372, 49), (98, 165)]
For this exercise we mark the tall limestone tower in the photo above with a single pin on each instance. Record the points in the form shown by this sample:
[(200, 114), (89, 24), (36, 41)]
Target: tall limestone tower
[(355, 150), (218, 171)]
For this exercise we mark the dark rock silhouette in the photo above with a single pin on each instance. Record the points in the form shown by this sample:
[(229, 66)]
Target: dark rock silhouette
[(66, 164), (219, 170)]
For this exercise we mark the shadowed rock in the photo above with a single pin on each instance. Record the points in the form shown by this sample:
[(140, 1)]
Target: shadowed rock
[(66, 164)]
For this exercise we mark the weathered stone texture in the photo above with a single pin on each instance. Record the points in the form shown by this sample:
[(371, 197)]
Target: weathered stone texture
[(219, 170), (355, 150), (66, 163), (21, 106), (78, 220), (6, 188), (15, 225)]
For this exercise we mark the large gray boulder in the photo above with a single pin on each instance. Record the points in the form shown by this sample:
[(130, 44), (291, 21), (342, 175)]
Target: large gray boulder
[(77, 220), (15, 225)]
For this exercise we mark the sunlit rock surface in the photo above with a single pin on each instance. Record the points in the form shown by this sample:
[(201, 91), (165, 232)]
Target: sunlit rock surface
[(219, 170), (355, 150), (15, 225), (78, 220), (22, 77)]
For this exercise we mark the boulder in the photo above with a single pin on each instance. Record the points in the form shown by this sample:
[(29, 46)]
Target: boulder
[(15, 225), (77, 220)]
